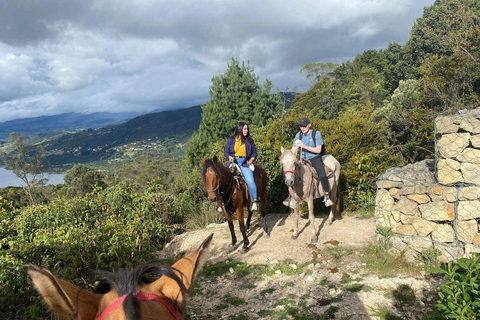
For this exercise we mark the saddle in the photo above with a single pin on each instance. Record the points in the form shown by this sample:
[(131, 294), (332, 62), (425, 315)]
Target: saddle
[(328, 171), (238, 177)]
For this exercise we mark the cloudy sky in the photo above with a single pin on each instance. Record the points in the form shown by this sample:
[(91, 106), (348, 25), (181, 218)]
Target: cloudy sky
[(60, 56)]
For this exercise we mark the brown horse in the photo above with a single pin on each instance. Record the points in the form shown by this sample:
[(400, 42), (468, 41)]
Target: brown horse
[(231, 194), (129, 295)]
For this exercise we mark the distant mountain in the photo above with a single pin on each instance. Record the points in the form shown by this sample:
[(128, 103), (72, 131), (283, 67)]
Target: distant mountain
[(175, 126), (63, 122)]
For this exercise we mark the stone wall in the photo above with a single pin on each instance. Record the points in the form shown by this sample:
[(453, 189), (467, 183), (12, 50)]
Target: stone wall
[(435, 204)]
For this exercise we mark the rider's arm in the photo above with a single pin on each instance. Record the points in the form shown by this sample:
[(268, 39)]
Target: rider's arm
[(316, 149)]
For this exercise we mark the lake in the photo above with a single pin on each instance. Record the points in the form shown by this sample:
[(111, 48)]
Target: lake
[(9, 179)]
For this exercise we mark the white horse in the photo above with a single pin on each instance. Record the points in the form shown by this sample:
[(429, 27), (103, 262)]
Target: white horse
[(302, 186)]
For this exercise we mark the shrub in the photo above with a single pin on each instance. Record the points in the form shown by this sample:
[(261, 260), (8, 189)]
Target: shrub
[(460, 293)]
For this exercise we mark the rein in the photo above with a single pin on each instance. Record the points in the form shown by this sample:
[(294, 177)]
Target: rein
[(141, 297), (220, 193)]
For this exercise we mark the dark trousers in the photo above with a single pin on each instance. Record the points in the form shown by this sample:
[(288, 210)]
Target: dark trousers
[(318, 165)]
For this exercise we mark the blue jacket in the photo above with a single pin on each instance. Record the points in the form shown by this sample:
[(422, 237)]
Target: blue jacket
[(251, 150)]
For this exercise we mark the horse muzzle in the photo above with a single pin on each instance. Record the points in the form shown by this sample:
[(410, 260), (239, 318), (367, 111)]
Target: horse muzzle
[(289, 182)]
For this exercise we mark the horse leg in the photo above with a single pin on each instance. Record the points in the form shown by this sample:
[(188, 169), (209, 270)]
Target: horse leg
[(311, 217), (230, 226), (249, 218), (264, 213), (241, 223), (336, 206), (296, 214)]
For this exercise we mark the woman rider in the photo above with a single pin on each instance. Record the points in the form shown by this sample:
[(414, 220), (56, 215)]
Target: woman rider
[(241, 149)]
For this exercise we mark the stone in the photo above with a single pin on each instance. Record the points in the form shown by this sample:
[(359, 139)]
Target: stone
[(470, 124), (449, 253), (452, 144), (467, 230), (407, 230), (408, 219), (469, 249), (424, 227), (407, 206), (468, 210), (448, 171), (437, 211), (469, 155), (475, 140), (419, 198), (447, 124), (384, 201), (476, 239), (443, 233), (385, 184), (469, 193), (394, 192), (450, 194), (411, 174), (438, 191), (471, 173)]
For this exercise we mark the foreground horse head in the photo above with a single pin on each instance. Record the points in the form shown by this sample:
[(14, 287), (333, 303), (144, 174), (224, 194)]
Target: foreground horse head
[(127, 295)]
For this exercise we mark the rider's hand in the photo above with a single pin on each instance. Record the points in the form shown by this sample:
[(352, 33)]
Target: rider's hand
[(250, 161), (300, 144), (230, 158)]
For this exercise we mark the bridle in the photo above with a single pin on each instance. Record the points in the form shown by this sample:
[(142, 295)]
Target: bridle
[(141, 297), (220, 194)]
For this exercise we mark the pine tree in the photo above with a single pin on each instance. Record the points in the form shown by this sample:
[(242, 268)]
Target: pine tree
[(234, 96)]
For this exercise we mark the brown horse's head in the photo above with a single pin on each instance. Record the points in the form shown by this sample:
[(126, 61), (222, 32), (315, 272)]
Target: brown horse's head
[(211, 177), (124, 296)]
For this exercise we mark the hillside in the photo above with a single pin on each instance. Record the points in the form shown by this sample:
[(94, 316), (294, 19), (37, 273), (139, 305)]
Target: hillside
[(63, 122), (163, 133)]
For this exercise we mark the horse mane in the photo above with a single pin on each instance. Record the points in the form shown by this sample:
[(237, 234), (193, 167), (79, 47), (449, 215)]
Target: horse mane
[(127, 282), (210, 164)]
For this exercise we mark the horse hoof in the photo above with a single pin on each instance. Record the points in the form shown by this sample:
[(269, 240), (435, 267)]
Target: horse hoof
[(294, 237), (266, 235), (314, 240), (245, 249)]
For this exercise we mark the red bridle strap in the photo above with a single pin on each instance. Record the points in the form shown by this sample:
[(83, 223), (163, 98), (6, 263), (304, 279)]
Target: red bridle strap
[(141, 297), (292, 172)]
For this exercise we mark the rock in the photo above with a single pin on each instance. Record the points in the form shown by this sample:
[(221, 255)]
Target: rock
[(449, 171), (447, 124), (468, 210), (452, 144), (467, 230), (437, 211), (469, 155), (443, 233), (471, 173)]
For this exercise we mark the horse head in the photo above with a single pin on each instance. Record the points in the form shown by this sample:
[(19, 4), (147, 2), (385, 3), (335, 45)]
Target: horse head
[(127, 295), (211, 177), (288, 160)]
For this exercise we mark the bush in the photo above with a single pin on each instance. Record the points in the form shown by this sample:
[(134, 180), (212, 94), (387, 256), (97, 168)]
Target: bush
[(460, 294), (106, 229)]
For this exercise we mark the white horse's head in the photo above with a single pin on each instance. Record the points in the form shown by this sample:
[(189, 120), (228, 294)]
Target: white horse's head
[(288, 160)]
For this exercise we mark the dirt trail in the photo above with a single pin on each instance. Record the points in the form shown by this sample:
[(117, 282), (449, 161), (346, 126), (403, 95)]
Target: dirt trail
[(322, 290)]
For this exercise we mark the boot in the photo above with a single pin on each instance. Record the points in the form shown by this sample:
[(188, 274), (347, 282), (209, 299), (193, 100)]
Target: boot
[(288, 202), (219, 209), (328, 202), (254, 206)]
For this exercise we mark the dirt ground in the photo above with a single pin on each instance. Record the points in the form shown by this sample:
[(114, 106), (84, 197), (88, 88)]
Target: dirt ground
[(322, 291)]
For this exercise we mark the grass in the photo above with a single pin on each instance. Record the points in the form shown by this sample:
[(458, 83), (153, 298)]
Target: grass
[(223, 268), (234, 301)]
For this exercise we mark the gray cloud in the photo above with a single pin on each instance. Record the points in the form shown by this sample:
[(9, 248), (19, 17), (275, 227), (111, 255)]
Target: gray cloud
[(117, 55)]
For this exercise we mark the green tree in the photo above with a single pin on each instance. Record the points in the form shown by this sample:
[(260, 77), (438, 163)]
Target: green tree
[(26, 166), (234, 96), (315, 71), (81, 180)]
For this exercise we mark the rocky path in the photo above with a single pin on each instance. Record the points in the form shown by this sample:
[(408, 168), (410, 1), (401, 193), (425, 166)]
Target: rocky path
[(282, 278)]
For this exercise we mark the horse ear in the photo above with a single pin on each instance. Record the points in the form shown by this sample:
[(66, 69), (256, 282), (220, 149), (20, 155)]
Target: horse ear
[(294, 150), (282, 149), (64, 298), (203, 160), (186, 269)]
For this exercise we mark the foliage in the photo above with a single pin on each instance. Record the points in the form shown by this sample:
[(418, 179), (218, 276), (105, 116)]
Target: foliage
[(81, 180), (26, 166), (105, 229), (459, 296), (234, 96)]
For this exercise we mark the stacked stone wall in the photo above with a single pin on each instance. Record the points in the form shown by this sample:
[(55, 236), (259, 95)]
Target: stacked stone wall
[(435, 204)]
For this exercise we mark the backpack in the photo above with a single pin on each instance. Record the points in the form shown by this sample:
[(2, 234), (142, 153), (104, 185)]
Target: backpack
[(314, 141)]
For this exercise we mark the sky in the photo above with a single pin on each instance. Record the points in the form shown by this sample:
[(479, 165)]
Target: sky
[(87, 56)]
